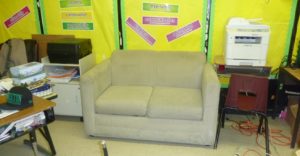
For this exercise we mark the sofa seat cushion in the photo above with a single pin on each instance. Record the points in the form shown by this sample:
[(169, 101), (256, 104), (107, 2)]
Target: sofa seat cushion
[(175, 103), (124, 100)]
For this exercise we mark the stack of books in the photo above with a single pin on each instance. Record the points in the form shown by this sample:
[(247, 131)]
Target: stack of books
[(33, 76), (42, 89), (26, 74)]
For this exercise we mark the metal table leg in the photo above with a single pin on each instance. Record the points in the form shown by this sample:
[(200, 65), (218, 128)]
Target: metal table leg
[(296, 126), (32, 138)]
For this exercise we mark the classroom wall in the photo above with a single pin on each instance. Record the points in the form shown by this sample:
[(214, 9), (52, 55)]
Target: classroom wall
[(18, 19), (98, 20), (92, 19), (296, 45), (85, 19), (168, 25)]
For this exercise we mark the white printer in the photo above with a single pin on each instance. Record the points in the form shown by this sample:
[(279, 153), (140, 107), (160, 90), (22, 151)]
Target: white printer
[(246, 42)]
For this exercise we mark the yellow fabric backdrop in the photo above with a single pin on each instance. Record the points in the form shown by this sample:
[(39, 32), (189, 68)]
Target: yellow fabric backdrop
[(102, 17), (22, 28), (275, 13), (297, 40), (189, 11)]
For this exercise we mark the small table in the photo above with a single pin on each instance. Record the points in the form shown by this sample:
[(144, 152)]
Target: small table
[(39, 105), (291, 76)]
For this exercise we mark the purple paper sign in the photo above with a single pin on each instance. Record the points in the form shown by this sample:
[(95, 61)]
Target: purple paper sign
[(16, 17), (160, 20), (183, 31), (139, 30)]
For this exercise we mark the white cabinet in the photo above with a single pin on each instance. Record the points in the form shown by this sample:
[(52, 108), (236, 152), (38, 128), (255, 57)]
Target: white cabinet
[(68, 101)]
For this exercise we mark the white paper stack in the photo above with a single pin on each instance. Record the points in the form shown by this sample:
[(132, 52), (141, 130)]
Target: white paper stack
[(26, 70), (27, 73)]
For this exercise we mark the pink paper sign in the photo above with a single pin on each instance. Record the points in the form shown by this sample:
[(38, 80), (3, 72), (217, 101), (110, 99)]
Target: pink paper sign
[(183, 31), (139, 30), (16, 17), (160, 20)]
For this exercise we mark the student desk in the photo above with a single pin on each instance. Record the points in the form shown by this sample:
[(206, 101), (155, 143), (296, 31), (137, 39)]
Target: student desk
[(39, 105), (291, 76)]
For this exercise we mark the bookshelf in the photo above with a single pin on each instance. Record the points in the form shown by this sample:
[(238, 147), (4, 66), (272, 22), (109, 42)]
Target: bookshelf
[(68, 101)]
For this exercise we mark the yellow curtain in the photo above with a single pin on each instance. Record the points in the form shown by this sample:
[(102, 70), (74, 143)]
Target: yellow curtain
[(167, 25), (296, 45), (18, 19), (92, 19)]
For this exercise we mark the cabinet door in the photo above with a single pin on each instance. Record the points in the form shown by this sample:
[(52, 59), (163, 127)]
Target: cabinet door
[(68, 101)]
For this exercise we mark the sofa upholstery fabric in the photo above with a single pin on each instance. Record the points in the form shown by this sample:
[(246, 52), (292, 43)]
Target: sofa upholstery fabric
[(150, 95), (124, 100), (175, 103)]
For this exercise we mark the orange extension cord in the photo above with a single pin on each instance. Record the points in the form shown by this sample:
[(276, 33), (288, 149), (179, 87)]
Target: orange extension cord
[(248, 128)]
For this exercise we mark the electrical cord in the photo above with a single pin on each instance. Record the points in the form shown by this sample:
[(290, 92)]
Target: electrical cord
[(252, 151), (248, 128)]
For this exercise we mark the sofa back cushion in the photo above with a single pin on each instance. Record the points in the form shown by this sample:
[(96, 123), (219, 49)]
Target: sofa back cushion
[(178, 69), (172, 69), (132, 68)]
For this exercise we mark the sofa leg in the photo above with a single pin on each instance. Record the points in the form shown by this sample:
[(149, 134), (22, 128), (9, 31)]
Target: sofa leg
[(223, 117), (217, 137), (220, 123)]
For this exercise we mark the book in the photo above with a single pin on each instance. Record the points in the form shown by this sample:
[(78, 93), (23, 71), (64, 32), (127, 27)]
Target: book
[(29, 80), (42, 91)]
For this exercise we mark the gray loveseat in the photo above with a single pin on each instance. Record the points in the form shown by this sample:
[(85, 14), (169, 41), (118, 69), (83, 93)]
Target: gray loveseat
[(148, 95)]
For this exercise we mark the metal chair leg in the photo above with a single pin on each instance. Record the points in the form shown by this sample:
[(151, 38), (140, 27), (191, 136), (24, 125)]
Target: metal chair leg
[(266, 135), (261, 120)]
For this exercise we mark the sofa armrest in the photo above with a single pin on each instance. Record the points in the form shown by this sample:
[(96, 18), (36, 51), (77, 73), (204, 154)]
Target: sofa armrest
[(210, 86), (92, 85), (210, 89)]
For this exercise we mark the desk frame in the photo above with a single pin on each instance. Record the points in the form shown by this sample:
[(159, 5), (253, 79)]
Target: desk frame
[(40, 105), (289, 76)]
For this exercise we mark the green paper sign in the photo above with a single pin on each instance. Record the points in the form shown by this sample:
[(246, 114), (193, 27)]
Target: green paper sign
[(74, 3), (160, 7), (78, 26)]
